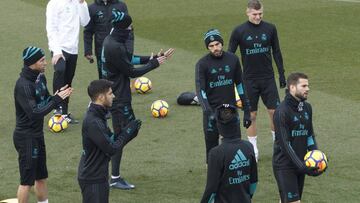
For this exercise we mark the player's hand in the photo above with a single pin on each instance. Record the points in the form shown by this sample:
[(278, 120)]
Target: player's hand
[(64, 92), (131, 129), (282, 81), (169, 53), (312, 171), (247, 120), (56, 58), (90, 58), (161, 59)]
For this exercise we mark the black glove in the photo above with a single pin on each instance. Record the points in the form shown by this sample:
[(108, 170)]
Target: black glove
[(247, 120), (282, 81), (130, 131), (312, 171)]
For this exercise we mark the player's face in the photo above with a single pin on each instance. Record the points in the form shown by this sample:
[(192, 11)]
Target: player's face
[(40, 65), (255, 16), (108, 98), (215, 48), (302, 89)]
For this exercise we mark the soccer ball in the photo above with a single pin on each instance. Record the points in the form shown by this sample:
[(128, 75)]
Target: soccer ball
[(159, 108), (57, 123), (316, 158), (142, 85)]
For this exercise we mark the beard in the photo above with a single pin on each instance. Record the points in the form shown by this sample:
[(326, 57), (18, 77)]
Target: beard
[(300, 96), (217, 53)]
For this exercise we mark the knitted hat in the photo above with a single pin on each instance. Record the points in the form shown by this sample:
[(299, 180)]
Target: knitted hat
[(32, 54), (213, 35), (120, 19), (228, 122)]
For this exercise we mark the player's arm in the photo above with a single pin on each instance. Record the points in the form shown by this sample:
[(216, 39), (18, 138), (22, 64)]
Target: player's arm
[(278, 57), (83, 13), (25, 96), (233, 42), (137, 60), (200, 83), (311, 142), (124, 65), (89, 32), (215, 168), (52, 27), (285, 144), (109, 143), (242, 94)]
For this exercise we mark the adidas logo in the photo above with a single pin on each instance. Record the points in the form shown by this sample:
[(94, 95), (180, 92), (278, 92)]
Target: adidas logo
[(249, 38), (239, 161), (295, 119)]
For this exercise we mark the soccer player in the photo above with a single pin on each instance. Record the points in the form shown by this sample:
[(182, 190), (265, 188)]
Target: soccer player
[(32, 103), (100, 26), (232, 169), (257, 39), (63, 20), (99, 143), (216, 74), (117, 67), (294, 136)]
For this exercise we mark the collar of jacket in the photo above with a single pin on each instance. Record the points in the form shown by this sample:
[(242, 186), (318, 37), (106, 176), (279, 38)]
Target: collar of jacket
[(295, 104), (99, 110), (29, 73), (120, 35)]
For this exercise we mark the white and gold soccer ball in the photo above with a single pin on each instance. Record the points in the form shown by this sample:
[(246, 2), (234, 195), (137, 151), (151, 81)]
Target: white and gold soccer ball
[(159, 109), (316, 158), (142, 85), (57, 123)]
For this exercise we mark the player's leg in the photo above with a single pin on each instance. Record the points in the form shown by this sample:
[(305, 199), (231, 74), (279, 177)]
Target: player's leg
[(71, 60), (59, 81), (95, 193), (253, 93), (270, 97), (24, 147), (121, 114), (211, 133), (287, 181), (41, 173)]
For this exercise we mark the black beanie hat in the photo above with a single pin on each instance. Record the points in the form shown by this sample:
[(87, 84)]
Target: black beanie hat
[(120, 19), (32, 54), (212, 35), (228, 122)]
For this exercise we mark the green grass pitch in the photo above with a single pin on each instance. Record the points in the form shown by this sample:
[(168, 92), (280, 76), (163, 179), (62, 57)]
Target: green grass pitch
[(166, 160)]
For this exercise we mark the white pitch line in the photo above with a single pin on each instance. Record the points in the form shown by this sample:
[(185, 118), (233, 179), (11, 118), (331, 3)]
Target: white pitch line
[(350, 1)]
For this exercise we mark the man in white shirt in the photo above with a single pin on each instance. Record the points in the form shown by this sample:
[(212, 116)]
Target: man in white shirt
[(63, 20)]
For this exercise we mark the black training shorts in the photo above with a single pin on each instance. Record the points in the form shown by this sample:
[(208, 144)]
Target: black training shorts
[(32, 159), (264, 88), (95, 192), (290, 184)]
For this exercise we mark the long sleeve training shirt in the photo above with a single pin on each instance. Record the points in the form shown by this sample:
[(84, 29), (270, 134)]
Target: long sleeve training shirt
[(32, 103), (256, 43), (99, 144), (63, 20), (232, 173), (294, 134), (215, 80)]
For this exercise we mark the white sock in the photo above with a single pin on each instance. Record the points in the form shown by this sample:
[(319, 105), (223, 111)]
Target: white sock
[(45, 201), (114, 177), (253, 141), (273, 135)]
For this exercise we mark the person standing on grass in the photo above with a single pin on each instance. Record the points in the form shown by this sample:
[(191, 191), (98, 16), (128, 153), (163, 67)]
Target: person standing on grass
[(32, 103), (63, 20), (99, 143), (294, 136), (232, 170), (216, 74), (258, 41), (117, 67)]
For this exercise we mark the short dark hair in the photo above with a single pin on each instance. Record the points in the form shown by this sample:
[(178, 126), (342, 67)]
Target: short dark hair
[(97, 87), (226, 113), (254, 4), (293, 78)]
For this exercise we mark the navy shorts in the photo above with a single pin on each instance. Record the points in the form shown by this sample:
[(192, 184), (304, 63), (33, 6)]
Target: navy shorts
[(290, 184), (95, 193), (264, 88), (32, 159)]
